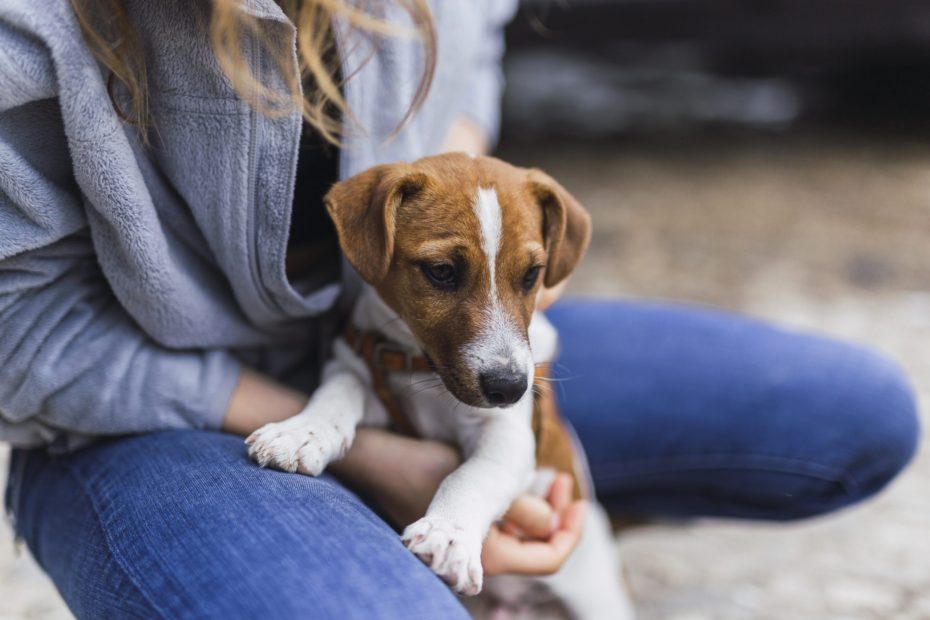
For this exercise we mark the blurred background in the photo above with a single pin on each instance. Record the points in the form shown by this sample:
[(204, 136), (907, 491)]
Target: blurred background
[(769, 157)]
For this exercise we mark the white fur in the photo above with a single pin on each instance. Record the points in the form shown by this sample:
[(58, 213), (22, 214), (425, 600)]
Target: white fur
[(498, 343), (587, 585), (498, 445), (490, 219), (498, 449), (319, 434)]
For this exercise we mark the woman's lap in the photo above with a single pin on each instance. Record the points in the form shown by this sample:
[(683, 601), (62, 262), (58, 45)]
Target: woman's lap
[(182, 524), (685, 411), (681, 412)]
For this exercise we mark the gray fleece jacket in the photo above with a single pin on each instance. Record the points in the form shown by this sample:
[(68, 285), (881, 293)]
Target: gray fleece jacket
[(134, 281)]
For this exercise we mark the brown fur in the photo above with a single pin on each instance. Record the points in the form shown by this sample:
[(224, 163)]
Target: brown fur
[(393, 219)]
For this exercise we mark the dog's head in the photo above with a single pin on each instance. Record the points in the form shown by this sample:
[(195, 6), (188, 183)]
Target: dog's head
[(458, 247)]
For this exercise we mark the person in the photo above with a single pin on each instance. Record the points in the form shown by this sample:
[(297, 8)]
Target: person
[(168, 283)]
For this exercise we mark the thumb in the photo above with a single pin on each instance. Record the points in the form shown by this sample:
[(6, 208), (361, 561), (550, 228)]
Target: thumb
[(534, 516)]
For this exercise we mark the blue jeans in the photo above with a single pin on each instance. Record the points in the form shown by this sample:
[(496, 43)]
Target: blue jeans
[(682, 412)]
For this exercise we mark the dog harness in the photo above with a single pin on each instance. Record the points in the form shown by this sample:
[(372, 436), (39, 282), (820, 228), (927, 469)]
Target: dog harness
[(554, 442)]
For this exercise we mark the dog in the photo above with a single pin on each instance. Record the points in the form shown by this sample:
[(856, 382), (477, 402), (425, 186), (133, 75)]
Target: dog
[(454, 249)]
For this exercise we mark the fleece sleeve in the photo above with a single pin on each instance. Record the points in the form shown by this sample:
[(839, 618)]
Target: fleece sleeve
[(483, 94), (73, 363)]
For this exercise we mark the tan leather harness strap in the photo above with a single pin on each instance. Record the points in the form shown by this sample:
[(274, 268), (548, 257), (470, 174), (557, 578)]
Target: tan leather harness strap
[(553, 447), (382, 357), (386, 355)]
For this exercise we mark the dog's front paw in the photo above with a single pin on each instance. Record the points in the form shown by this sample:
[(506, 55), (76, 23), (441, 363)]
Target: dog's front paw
[(449, 550), (294, 445)]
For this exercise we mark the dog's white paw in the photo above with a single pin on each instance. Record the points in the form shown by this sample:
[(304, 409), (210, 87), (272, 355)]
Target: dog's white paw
[(449, 550), (307, 446)]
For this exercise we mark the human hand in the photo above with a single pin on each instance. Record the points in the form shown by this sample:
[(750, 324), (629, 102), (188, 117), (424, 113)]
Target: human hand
[(259, 400), (401, 474), (548, 296), (536, 536), (465, 136)]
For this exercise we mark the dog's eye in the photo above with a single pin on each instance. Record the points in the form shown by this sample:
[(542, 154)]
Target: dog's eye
[(529, 278), (441, 276)]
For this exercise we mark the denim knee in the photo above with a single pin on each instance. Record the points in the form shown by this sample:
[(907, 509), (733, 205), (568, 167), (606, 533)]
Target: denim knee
[(181, 524), (882, 422)]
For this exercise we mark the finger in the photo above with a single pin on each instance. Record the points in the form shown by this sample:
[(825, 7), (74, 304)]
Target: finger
[(533, 515), (548, 296), (505, 554), (493, 552), (551, 556), (560, 493), (508, 528), (566, 538)]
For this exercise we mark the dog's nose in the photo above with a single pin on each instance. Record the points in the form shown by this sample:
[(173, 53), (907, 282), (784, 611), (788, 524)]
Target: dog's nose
[(502, 387)]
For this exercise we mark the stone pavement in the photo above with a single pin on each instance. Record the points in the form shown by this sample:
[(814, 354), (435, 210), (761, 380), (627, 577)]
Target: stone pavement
[(820, 232)]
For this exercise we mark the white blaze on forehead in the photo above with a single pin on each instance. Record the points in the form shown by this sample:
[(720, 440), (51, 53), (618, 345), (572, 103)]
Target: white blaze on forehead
[(488, 210), (498, 344)]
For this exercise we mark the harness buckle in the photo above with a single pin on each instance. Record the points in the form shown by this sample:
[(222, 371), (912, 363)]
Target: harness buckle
[(387, 347)]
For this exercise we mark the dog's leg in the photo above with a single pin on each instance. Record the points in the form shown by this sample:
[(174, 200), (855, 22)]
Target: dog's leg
[(319, 434), (497, 467), (590, 583)]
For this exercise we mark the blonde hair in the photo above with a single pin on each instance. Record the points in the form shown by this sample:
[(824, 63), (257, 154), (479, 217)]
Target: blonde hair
[(113, 41)]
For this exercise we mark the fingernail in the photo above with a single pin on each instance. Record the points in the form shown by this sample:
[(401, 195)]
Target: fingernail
[(554, 525)]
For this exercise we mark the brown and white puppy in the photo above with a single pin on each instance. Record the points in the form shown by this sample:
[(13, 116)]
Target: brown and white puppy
[(457, 248)]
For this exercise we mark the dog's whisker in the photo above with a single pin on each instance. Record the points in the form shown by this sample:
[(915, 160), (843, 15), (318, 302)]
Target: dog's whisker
[(541, 389), (436, 382), (421, 390), (423, 385), (560, 366), (388, 322), (554, 379), (424, 380), (551, 379)]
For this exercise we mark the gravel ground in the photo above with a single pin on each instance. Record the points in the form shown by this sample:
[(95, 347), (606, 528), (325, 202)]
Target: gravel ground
[(822, 232)]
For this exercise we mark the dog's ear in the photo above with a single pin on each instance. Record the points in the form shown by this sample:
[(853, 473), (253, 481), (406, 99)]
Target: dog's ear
[(567, 226), (364, 209)]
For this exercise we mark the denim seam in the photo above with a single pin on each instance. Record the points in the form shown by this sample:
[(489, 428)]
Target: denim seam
[(117, 559), (703, 462)]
